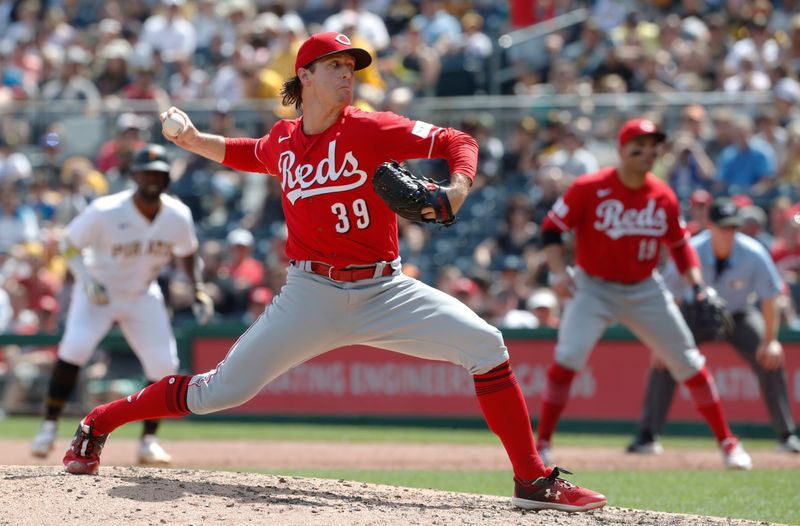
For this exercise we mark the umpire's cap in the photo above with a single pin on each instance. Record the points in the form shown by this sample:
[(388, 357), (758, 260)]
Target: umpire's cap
[(724, 212), (151, 158)]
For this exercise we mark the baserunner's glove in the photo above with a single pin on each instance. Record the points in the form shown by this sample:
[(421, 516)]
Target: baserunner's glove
[(96, 292), (202, 307), (707, 317), (407, 194)]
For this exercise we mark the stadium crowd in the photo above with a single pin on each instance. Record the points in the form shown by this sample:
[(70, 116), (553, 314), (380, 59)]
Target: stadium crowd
[(110, 55)]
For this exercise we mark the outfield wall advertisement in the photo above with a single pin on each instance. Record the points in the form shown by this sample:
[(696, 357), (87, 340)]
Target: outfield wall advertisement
[(363, 381)]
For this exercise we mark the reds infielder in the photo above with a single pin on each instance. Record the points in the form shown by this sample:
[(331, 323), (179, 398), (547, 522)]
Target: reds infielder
[(621, 216), (116, 249), (744, 275), (344, 285)]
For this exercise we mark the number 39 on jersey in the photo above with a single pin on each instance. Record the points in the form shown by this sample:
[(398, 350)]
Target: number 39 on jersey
[(356, 215)]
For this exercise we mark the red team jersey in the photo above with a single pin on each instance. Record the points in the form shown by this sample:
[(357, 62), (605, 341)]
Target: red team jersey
[(332, 213), (618, 230)]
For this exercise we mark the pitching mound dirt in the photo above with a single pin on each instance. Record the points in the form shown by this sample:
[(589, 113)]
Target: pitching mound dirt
[(45, 495)]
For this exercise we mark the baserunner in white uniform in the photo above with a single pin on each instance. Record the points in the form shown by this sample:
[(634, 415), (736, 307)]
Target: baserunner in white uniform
[(116, 249)]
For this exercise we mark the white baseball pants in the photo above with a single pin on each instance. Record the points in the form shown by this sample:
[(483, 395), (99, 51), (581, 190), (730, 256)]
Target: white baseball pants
[(143, 320)]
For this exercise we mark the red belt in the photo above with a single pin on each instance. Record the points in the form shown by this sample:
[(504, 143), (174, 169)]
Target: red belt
[(347, 274)]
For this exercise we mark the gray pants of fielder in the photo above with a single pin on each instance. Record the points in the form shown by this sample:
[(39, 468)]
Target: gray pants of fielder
[(746, 336)]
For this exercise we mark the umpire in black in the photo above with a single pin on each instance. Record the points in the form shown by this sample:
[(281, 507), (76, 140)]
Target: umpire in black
[(744, 275)]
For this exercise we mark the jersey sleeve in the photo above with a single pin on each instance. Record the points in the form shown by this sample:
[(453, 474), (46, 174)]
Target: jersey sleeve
[(674, 281), (566, 212), (402, 139), (768, 282), (84, 228), (677, 234), (187, 243), (243, 154), (677, 238)]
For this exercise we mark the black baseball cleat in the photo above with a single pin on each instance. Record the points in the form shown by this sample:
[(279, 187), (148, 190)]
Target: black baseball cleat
[(553, 493), (790, 445), (83, 455), (652, 447)]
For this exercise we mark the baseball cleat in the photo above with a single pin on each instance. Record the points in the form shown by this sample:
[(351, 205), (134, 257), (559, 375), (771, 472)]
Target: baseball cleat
[(790, 445), (645, 448), (553, 493), (734, 455), (151, 452), (83, 455), (45, 439)]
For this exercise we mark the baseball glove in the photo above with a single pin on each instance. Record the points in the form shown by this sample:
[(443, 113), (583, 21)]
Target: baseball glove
[(707, 318), (407, 194), (202, 306)]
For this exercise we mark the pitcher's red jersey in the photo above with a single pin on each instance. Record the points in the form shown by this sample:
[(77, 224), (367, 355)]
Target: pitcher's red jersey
[(332, 213), (618, 230)]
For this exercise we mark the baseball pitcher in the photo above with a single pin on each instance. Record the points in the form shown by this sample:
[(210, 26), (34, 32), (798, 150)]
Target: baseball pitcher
[(116, 249), (344, 285), (621, 216)]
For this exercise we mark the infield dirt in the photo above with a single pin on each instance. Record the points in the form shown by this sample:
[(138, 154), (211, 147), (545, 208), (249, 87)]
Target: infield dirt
[(46, 495), (39, 493)]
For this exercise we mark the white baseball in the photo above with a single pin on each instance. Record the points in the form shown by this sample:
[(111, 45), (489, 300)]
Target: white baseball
[(173, 125)]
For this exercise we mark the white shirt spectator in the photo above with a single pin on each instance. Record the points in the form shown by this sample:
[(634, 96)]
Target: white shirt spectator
[(755, 81), (227, 84), (368, 25), (518, 319), (763, 58), (191, 86), (477, 45), (6, 311), (207, 24), (576, 163), (14, 166), (170, 36)]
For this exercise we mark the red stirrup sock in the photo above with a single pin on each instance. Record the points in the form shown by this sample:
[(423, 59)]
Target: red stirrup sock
[(706, 400), (556, 395), (506, 414), (163, 399)]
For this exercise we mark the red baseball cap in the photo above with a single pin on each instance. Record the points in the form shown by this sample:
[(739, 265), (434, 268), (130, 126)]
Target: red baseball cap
[(324, 44), (261, 295), (639, 128), (701, 197), (742, 200)]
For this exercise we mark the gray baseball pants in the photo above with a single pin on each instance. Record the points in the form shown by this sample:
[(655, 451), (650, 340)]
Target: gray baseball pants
[(645, 307), (313, 314), (747, 334)]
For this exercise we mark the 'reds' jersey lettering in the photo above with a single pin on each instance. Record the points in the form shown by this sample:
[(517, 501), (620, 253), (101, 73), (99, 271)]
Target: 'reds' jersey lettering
[(618, 230), (332, 213)]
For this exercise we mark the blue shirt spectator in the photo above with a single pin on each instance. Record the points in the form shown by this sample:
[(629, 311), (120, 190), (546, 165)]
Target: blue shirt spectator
[(18, 222), (747, 162), (439, 28)]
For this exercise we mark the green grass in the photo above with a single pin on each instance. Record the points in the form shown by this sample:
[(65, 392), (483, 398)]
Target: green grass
[(761, 495), (198, 429)]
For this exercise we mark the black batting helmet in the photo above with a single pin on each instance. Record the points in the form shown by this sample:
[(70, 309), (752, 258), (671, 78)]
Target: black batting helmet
[(151, 158)]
